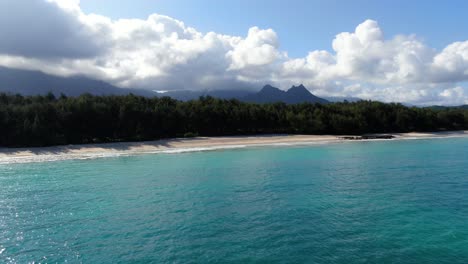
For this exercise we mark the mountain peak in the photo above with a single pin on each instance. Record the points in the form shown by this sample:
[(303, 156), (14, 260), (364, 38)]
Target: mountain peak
[(300, 94), (300, 88), (268, 88), (295, 95)]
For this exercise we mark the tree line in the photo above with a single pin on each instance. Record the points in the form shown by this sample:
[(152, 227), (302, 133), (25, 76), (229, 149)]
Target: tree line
[(49, 120)]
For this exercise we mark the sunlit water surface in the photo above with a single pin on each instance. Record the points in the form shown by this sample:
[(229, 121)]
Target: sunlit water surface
[(368, 202)]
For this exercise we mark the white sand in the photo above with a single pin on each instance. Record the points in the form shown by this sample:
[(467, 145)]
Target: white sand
[(22, 155)]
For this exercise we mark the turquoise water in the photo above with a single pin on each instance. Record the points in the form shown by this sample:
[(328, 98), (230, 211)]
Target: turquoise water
[(367, 202)]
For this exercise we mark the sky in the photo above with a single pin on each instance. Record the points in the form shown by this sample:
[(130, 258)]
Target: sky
[(413, 52), (303, 25)]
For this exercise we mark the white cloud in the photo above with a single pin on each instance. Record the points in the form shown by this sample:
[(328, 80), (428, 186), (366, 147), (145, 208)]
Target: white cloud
[(162, 53), (456, 96), (259, 48), (39, 29), (366, 65), (451, 64)]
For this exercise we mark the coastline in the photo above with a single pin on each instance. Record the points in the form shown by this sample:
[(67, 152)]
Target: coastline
[(178, 145)]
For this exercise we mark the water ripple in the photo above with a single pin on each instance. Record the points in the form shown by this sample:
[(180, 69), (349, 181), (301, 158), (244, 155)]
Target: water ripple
[(379, 202)]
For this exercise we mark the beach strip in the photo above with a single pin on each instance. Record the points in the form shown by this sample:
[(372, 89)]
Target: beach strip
[(177, 145)]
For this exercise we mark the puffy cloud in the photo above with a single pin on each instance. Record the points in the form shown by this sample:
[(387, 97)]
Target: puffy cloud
[(366, 55), (456, 96), (57, 37), (39, 29), (417, 94), (259, 48), (401, 69), (451, 64)]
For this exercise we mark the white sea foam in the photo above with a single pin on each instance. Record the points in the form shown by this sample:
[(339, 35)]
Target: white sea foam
[(33, 158), (182, 150)]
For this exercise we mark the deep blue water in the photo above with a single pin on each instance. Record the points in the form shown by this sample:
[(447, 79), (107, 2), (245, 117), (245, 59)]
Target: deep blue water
[(366, 202)]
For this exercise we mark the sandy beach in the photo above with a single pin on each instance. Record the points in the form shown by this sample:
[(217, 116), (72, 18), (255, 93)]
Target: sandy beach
[(177, 145)]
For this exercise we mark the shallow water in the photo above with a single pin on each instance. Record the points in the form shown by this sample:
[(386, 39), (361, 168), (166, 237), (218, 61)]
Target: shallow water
[(367, 202)]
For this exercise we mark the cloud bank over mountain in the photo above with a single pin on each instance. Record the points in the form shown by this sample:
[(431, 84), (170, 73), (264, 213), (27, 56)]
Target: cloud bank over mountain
[(162, 53)]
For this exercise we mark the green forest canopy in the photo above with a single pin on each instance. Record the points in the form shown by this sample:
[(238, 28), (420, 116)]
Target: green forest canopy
[(47, 120)]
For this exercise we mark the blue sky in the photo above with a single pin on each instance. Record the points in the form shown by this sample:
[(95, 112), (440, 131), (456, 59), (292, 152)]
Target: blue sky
[(303, 25)]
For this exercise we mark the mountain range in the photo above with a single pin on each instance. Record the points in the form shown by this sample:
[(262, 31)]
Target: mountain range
[(27, 82), (268, 94)]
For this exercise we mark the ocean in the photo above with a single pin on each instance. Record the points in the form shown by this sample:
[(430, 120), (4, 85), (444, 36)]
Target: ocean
[(400, 201)]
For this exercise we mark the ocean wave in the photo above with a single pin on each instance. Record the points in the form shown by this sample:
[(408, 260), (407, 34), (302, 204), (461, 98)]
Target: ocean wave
[(107, 154)]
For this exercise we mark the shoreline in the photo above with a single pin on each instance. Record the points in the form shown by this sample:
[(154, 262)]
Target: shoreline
[(179, 145)]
